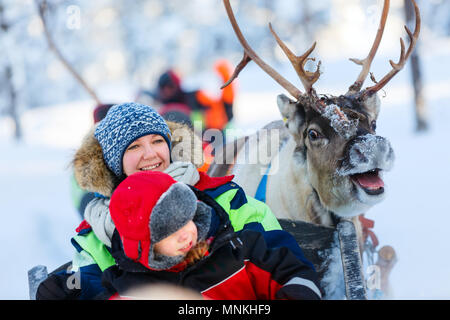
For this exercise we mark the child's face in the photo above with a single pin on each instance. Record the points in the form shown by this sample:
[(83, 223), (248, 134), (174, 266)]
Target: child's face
[(178, 243), (149, 152)]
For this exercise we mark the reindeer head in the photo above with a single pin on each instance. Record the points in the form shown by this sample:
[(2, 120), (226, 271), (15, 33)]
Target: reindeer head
[(335, 135)]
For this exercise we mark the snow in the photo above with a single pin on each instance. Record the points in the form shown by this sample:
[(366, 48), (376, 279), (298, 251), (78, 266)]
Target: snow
[(37, 213), (346, 128), (414, 218), (377, 153), (39, 218), (333, 279)]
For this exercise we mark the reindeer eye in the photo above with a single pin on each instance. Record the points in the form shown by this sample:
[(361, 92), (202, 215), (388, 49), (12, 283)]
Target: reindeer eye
[(373, 125), (313, 135)]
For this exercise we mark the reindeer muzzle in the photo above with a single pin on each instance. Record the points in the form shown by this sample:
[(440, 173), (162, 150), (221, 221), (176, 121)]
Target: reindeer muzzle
[(367, 156)]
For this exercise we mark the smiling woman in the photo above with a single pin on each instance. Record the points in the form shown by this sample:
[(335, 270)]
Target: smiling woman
[(134, 136), (149, 152)]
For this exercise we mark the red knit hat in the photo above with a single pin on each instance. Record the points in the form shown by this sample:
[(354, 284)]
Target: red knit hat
[(149, 206)]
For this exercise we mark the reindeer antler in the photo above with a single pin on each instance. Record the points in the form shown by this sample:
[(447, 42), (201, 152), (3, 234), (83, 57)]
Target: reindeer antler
[(241, 65), (365, 63), (250, 54), (298, 62), (42, 7), (396, 67)]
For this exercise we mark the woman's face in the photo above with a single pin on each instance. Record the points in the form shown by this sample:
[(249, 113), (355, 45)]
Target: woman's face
[(179, 242), (149, 152)]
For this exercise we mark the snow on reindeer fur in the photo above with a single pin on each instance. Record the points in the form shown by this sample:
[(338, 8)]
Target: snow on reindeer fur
[(378, 154), (346, 128)]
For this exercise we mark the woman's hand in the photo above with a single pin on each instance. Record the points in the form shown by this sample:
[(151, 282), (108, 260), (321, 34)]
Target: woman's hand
[(184, 172)]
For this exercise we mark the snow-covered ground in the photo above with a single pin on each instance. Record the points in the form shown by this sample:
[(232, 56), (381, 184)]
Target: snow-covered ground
[(38, 216)]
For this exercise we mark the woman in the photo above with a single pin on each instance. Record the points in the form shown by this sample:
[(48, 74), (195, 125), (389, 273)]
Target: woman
[(133, 138)]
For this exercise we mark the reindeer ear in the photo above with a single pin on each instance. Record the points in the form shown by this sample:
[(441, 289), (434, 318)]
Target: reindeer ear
[(293, 116), (286, 106), (371, 106)]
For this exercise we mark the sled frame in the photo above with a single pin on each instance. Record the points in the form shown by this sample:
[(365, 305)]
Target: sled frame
[(315, 240)]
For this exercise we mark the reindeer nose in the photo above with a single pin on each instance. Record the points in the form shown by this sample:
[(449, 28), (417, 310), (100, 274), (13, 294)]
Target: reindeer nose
[(358, 154), (373, 151)]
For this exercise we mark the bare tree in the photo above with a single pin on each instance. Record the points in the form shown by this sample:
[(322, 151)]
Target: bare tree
[(42, 9), (11, 109), (420, 108), (307, 19)]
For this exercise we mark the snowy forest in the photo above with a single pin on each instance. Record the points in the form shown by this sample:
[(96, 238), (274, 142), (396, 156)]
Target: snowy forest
[(118, 48)]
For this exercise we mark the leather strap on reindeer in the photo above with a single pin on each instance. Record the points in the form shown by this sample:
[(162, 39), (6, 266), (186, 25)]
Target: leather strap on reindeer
[(367, 225), (262, 187)]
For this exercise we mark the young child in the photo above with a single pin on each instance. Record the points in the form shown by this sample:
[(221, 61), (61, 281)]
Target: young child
[(164, 234)]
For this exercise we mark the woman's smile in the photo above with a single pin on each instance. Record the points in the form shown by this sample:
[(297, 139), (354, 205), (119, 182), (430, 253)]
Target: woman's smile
[(148, 153), (151, 167)]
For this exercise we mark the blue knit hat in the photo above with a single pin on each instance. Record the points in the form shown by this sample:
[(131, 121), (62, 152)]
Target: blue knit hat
[(123, 124)]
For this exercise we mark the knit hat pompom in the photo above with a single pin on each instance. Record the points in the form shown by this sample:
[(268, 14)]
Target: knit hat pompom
[(150, 206), (123, 124)]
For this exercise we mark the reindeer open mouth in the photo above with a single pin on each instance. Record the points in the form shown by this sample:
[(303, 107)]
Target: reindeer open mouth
[(368, 157), (369, 181)]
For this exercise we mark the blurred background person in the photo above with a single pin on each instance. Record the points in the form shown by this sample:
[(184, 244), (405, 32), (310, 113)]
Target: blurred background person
[(177, 104)]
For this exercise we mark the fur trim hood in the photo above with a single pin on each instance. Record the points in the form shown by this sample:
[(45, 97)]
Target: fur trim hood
[(92, 174)]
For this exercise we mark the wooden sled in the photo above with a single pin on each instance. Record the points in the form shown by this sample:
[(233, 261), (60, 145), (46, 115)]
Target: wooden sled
[(335, 255)]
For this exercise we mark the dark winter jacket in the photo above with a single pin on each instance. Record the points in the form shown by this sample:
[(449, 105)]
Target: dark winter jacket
[(239, 266)]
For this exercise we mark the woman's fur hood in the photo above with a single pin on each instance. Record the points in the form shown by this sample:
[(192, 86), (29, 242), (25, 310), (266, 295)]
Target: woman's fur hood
[(93, 175)]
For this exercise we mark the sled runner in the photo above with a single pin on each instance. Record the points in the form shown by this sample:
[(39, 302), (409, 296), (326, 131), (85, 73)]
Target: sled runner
[(335, 255), (39, 273)]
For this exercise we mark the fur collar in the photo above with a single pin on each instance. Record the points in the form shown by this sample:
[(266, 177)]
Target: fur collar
[(93, 175)]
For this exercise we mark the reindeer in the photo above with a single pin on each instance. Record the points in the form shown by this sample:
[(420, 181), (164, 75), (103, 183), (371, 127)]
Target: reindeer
[(331, 161)]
